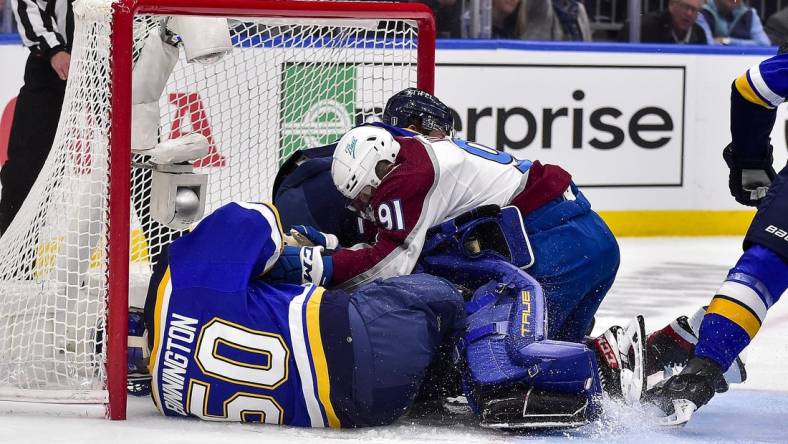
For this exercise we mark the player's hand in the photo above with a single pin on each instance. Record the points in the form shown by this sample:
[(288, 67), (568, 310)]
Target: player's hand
[(314, 236), (691, 389), (301, 265), (60, 63), (748, 183)]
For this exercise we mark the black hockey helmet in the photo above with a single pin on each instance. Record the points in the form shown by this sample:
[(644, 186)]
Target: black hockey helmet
[(412, 105)]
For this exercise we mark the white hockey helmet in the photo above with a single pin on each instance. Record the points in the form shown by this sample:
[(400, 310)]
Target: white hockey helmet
[(356, 156)]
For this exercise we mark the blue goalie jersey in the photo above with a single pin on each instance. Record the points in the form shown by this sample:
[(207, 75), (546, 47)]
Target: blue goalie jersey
[(228, 346)]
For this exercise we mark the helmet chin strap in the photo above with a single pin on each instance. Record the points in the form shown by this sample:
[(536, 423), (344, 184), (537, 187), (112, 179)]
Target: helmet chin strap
[(385, 170)]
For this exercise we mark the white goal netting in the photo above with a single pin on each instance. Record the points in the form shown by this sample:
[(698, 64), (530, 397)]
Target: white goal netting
[(287, 84)]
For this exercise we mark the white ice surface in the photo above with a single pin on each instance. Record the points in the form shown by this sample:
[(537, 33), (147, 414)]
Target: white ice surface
[(660, 278)]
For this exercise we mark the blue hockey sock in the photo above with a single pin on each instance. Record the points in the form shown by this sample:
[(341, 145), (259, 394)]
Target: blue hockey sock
[(739, 308)]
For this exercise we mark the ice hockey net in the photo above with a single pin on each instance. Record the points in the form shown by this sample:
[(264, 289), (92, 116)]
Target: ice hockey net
[(300, 73)]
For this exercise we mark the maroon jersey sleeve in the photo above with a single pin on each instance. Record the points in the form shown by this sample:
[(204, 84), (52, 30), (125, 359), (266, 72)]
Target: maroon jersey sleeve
[(397, 206), (545, 183)]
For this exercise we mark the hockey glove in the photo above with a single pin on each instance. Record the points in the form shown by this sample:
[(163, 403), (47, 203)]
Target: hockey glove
[(686, 392), (748, 181), (314, 236), (301, 265)]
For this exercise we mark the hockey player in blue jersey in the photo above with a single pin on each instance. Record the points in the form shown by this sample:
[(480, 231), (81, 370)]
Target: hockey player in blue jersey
[(227, 345), (760, 276)]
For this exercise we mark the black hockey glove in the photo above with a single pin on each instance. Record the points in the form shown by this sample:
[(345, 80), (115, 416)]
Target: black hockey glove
[(697, 382), (749, 181)]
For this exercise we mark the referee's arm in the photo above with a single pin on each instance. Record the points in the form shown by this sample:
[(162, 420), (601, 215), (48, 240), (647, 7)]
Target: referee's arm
[(39, 27)]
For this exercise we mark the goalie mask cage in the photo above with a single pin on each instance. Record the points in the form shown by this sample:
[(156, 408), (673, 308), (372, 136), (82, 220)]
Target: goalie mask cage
[(300, 73)]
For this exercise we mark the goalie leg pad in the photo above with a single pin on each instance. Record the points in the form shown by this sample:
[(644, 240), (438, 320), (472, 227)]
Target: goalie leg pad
[(149, 77), (205, 39), (513, 375)]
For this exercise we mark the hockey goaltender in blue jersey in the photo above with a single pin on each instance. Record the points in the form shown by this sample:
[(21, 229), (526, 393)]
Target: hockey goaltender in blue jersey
[(227, 346)]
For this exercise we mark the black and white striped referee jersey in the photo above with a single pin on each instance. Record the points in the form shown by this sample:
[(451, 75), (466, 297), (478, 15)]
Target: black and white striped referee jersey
[(45, 25)]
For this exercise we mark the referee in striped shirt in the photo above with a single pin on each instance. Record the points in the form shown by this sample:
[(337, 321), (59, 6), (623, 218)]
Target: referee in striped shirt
[(47, 29)]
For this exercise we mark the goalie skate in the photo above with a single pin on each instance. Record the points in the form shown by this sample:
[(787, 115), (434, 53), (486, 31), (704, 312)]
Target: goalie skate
[(622, 358), (683, 409)]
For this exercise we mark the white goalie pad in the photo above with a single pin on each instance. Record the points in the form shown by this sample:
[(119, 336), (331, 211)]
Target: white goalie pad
[(186, 148), (149, 77), (205, 39)]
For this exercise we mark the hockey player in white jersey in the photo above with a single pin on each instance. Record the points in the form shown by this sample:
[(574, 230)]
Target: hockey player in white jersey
[(407, 183)]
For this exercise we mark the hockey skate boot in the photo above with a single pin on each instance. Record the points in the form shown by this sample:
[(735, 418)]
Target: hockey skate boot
[(670, 348), (621, 356)]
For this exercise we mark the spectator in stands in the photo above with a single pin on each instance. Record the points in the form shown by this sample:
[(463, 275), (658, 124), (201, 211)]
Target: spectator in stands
[(6, 17), (40, 99), (447, 16), (732, 22), (676, 25), (540, 20), (777, 27)]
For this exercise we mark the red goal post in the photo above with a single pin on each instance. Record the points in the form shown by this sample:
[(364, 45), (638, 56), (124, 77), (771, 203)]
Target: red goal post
[(120, 131)]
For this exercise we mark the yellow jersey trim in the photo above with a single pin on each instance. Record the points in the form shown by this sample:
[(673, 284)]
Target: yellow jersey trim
[(153, 364), (319, 356), (745, 89), (737, 314), (165, 280), (273, 209)]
